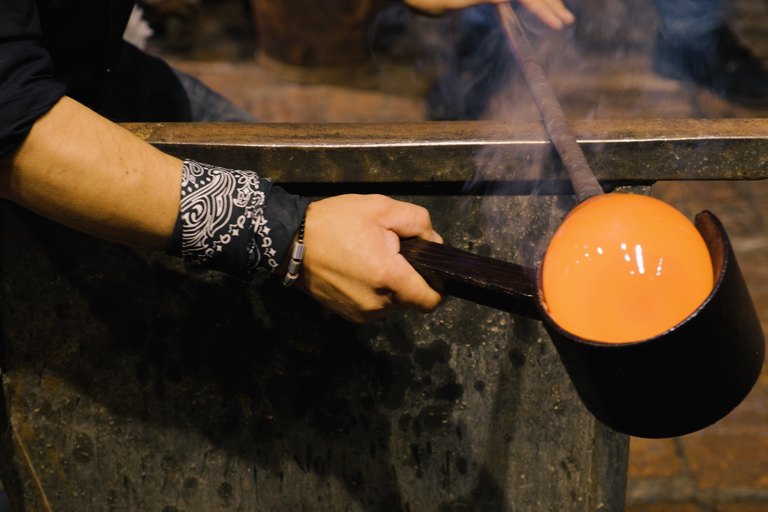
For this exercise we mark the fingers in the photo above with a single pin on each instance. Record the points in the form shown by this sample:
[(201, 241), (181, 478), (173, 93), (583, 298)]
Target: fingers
[(395, 281), (552, 13), (412, 291), (438, 7), (397, 286), (406, 220), (409, 220), (352, 261), (408, 288)]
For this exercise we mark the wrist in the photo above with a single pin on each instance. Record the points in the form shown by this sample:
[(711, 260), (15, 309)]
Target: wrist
[(296, 257), (233, 221)]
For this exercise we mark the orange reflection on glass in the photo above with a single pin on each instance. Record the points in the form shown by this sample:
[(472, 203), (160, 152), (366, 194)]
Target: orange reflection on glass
[(625, 267)]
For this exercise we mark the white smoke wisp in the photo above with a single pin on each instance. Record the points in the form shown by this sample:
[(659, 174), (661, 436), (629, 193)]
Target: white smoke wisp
[(138, 31)]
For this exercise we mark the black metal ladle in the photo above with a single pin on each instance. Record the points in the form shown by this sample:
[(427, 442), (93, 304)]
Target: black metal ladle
[(669, 385)]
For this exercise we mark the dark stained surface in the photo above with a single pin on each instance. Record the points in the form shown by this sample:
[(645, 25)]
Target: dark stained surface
[(600, 71), (154, 371)]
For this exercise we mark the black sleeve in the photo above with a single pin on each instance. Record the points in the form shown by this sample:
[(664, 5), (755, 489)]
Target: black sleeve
[(27, 87)]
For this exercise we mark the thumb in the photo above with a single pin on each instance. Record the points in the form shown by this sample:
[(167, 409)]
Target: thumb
[(411, 290)]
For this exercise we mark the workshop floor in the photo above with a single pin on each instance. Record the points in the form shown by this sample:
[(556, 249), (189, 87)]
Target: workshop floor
[(606, 74)]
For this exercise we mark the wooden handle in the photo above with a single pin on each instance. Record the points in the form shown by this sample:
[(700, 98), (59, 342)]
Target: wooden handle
[(487, 281)]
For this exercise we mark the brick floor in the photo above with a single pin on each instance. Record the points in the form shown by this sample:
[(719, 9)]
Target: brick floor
[(723, 468), (654, 458), (742, 507), (665, 507)]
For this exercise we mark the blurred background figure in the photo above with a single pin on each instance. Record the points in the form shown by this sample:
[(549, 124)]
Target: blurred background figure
[(481, 64), (694, 45)]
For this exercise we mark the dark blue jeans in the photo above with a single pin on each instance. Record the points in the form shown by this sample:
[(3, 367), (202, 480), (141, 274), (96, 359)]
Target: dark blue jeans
[(683, 20), (209, 106), (5, 504)]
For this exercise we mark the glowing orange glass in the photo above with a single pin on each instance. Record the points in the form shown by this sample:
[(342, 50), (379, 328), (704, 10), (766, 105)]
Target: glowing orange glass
[(625, 267)]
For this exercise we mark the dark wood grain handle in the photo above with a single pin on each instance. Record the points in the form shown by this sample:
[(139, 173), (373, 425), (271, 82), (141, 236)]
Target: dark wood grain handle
[(487, 281)]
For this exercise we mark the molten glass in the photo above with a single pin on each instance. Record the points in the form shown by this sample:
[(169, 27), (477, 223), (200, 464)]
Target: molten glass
[(625, 267)]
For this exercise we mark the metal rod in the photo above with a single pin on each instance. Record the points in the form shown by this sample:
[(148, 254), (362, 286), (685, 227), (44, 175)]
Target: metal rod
[(417, 155), (583, 180)]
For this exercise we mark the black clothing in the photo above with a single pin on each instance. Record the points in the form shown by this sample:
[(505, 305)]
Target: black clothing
[(715, 60), (49, 48)]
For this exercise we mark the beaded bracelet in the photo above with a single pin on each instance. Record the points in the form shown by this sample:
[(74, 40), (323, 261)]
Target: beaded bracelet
[(297, 253)]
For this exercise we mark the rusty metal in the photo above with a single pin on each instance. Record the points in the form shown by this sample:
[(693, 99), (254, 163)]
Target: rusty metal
[(468, 157), (583, 180), (134, 384)]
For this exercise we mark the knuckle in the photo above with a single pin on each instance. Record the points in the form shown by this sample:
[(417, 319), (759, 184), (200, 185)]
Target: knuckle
[(371, 311), (422, 216), (380, 280), (379, 200)]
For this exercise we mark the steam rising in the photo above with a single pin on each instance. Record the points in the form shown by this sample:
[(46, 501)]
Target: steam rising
[(476, 78)]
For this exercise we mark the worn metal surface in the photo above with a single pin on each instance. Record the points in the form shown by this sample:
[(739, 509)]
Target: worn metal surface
[(132, 384), (466, 157)]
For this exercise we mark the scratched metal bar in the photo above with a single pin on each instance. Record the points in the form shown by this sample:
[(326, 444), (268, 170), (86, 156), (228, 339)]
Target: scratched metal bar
[(471, 157)]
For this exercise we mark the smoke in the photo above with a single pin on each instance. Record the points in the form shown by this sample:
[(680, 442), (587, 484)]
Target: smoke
[(475, 77), (476, 66)]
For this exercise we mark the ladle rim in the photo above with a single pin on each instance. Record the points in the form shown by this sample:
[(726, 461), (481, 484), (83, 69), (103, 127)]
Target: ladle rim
[(723, 248)]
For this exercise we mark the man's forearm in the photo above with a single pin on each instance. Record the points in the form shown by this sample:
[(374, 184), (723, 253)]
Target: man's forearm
[(88, 173), (82, 170)]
